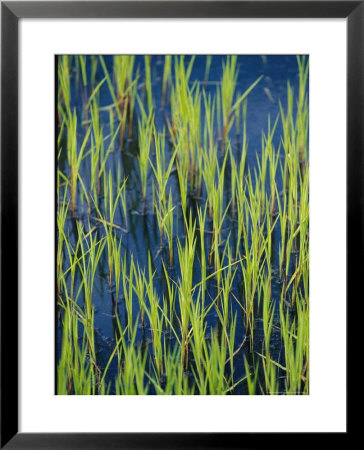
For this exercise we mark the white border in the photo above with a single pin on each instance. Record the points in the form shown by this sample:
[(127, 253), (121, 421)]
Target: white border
[(324, 409)]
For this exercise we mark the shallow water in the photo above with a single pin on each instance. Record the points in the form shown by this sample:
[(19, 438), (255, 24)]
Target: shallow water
[(143, 234)]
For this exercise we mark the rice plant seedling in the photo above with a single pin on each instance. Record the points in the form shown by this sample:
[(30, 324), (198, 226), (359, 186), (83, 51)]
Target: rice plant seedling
[(203, 264), (295, 338), (145, 143), (229, 104), (251, 377), (74, 373), (64, 91), (209, 174), (82, 65), (130, 379), (96, 149), (227, 93), (148, 82), (124, 78), (162, 173), (167, 223), (156, 321), (186, 257), (182, 172), (62, 212), (74, 157), (269, 368), (182, 252), (185, 123), (167, 75), (124, 204)]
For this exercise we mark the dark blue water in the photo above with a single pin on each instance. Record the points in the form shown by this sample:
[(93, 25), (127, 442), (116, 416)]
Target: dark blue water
[(143, 234)]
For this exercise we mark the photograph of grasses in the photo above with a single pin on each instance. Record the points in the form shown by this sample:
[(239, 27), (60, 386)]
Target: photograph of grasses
[(182, 225)]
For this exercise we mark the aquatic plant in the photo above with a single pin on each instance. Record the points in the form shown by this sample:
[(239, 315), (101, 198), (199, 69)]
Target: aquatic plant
[(192, 242), (146, 126)]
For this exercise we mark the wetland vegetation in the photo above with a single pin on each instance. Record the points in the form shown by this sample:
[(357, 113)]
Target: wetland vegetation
[(182, 225)]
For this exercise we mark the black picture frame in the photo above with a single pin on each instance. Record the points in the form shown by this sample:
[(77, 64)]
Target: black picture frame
[(11, 12)]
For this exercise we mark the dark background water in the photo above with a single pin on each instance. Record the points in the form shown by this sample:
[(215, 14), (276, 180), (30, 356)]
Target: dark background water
[(143, 233)]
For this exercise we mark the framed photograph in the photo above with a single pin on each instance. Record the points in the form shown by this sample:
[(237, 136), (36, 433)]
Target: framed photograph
[(181, 195)]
